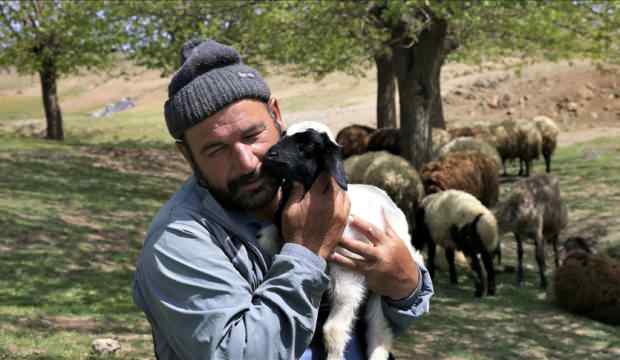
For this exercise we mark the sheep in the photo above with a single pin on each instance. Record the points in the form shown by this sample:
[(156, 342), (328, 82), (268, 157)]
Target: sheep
[(529, 144), (549, 132), (393, 174), (389, 139), (456, 220), (533, 209), (354, 139), (472, 172), (588, 284), (516, 140), (468, 144), (301, 155), (385, 139)]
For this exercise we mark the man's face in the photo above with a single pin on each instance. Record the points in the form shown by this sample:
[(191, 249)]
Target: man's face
[(228, 148)]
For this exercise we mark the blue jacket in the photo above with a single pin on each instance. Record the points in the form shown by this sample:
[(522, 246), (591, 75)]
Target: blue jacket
[(209, 292)]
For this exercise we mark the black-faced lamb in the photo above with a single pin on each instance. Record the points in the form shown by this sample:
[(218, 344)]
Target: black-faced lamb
[(549, 132), (533, 210), (456, 220), (587, 284), (387, 139), (301, 155), (354, 139), (472, 172)]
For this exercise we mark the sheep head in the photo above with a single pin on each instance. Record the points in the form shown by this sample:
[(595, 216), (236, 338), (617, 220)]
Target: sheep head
[(302, 156)]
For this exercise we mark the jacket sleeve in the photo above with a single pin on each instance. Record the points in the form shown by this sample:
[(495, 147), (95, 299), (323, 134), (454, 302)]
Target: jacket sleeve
[(402, 313), (207, 310)]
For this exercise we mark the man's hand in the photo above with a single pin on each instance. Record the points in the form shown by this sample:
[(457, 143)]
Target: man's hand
[(387, 264), (316, 219)]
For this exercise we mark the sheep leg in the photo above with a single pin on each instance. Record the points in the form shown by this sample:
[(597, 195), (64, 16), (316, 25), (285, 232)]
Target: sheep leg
[(479, 278), (347, 294), (540, 259), (527, 167), (520, 167), (520, 260), (554, 241), (451, 266), (487, 260), (431, 258), (547, 162), (379, 337), (505, 173), (498, 253)]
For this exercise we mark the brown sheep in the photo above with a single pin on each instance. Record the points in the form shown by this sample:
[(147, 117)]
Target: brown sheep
[(354, 139), (472, 172), (588, 284)]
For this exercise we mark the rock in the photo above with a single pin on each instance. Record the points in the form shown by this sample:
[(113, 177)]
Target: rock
[(105, 346), (594, 115), (585, 93), (494, 102), (606, 108), (572, 106)]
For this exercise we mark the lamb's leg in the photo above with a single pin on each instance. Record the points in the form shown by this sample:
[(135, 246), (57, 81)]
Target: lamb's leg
[(528, 163), (347, 293), (504, 167), (540, 259), (379, 335), (479, 278), (487, 260), (520, 167), (452, 267), (520, 260)]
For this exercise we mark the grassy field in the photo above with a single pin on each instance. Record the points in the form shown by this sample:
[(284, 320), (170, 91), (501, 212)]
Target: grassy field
[(74, 215)]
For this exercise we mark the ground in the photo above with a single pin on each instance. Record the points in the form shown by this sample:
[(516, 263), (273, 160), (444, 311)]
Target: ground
[(74, 214)]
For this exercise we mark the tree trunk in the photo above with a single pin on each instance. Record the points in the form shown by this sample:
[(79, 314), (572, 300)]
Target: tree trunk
[(386, 91), (437, 118), (53, 115), (417, 71)]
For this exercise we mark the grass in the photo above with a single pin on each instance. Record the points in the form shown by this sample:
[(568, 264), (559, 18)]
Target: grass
[(74, 215)]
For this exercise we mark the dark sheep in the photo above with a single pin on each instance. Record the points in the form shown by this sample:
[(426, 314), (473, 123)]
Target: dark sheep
[(387, 139), (354, 139)]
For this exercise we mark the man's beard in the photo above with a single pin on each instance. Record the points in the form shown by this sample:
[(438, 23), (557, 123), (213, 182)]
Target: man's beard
[(236, 198)]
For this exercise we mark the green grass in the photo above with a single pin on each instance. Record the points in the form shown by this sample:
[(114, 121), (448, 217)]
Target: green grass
[(73, 216)]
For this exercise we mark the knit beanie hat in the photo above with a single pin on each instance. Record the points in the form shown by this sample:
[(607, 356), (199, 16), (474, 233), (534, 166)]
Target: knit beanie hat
[(212, 77)]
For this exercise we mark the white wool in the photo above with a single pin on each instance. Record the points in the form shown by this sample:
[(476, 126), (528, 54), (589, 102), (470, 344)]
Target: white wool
[(348, 289), (455, 207), (305, 125)]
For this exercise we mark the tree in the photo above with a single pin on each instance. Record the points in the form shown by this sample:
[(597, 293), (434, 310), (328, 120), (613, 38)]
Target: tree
[(54, 38), (413, 38)]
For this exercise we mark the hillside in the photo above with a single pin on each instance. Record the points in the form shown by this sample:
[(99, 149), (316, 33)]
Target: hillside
[(577, 94)]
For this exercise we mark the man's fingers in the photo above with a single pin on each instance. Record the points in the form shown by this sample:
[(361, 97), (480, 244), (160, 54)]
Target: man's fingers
[(367, 229), (367, 251), (389, 230), (355, 265)]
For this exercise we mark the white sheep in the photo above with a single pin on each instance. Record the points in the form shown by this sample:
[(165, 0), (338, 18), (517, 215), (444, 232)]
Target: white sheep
[(457, 220), (348, 288), (549, 131)]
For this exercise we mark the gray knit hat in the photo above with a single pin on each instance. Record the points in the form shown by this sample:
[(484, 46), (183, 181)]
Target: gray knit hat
[(212, 77)]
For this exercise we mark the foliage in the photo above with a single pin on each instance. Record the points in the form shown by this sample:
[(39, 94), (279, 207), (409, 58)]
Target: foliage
[(74, 34)]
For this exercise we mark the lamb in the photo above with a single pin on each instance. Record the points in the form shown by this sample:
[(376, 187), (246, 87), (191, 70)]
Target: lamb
[(516, 140), (354, 139), (534, 209), (468, 144), (588, 284), (456, 220), (549, 132), (391, 173), (302, 155), (472, 172)]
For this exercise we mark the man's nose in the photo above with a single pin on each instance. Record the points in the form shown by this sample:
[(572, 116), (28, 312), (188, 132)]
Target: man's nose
[(247, 159)]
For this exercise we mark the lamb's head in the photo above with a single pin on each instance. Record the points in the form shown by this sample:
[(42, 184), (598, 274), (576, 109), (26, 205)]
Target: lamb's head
[(466, 237), (303, 154)]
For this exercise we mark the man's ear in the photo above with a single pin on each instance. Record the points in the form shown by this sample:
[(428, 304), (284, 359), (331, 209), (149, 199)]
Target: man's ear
[(333, 161), (184, 150), (274, 109)]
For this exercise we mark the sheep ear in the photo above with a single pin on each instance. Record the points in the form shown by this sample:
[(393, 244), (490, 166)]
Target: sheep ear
[(333, 162), (474, 224)]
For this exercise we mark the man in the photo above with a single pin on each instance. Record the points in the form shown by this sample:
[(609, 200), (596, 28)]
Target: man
[(207, 289)]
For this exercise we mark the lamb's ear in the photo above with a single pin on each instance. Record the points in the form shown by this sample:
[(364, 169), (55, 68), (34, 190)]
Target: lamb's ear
[(333, 161)]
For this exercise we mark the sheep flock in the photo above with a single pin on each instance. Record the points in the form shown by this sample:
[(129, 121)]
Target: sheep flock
[(454, 208)]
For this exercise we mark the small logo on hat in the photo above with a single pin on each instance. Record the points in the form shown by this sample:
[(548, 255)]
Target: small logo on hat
[(245, 75)]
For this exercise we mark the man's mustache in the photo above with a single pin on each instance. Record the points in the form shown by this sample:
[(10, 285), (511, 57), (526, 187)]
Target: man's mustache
[(245, 179)]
